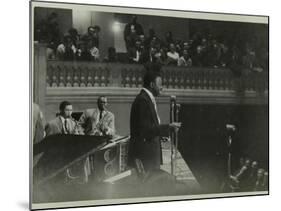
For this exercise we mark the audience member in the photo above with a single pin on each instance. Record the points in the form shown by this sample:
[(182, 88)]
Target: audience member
[(73, 33), (111, 55), (185, 60), (169, 38), (66, 50), (172, 55), (131, 32), (136, 54), (259, 185), (202, 47)]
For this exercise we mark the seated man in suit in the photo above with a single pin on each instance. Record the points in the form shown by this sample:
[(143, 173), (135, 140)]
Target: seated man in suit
[(63, 123), (98, 121)]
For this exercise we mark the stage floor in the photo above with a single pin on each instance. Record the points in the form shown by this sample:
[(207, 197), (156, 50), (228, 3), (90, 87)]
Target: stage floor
[(161, 183)]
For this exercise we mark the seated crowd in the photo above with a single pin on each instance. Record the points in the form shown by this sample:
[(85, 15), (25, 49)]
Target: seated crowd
[(202, 50), (249, 176)]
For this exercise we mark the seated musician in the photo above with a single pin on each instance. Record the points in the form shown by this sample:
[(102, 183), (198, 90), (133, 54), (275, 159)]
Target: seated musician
[(98, 121), (63, 123)]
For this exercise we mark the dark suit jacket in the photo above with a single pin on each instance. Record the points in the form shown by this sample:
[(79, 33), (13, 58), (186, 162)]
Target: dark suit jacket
[(145, 133)]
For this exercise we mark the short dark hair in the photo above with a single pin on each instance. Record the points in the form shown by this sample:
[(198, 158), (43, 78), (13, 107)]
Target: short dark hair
[(63, 104), (153, 70), (101, 96), (90, 27)]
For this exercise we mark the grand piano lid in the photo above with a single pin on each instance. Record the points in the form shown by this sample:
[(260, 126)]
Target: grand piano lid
[(56, 153)]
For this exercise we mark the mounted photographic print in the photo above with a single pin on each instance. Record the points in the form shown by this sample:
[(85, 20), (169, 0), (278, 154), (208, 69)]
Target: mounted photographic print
[(133, 105)]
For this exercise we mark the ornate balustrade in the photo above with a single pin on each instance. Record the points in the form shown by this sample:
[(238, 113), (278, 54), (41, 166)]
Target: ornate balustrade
[(82, 82), (88, 74)]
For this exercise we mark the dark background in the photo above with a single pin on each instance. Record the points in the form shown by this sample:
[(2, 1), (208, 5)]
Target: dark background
[(203, 139)]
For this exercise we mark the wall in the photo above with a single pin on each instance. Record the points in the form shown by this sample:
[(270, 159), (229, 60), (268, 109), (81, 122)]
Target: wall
[(178, 26), (82, 19), (64, 17)]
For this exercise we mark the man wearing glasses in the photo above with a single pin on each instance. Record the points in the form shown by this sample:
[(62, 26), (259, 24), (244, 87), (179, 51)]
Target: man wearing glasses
[(100, 121)]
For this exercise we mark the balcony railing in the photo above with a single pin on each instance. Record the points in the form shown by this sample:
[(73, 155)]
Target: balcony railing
[(88, 74)]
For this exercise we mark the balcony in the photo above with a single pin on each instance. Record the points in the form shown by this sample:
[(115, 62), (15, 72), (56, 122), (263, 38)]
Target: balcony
[(84, 81)]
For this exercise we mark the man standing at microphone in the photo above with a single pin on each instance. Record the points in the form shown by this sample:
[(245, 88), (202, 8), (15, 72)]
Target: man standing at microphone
[(146, 129)]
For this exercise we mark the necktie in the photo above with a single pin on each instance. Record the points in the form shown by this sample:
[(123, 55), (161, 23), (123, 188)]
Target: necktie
[(100, 115), (65, 126)]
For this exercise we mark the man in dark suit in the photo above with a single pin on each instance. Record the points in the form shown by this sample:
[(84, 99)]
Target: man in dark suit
[(146, 130)]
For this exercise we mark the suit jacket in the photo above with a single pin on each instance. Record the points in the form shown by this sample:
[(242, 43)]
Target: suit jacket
[(55, 126), (145, 133), (91, 124)]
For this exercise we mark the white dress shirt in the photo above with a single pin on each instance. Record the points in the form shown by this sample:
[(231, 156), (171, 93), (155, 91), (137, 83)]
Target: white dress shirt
[(64, 122), (153, 101)]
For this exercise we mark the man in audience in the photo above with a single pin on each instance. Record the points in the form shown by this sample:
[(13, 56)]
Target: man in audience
[(98, 121), (151, 35), (225, 55), (132, 31), (83, 53), (169, 38), (199, 57), (73, 33), (136, 53), (67, 49), (186, 46), (154, 56), (142, 40), (111, 55), (213, 54), (185, 60), (172, 55)]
